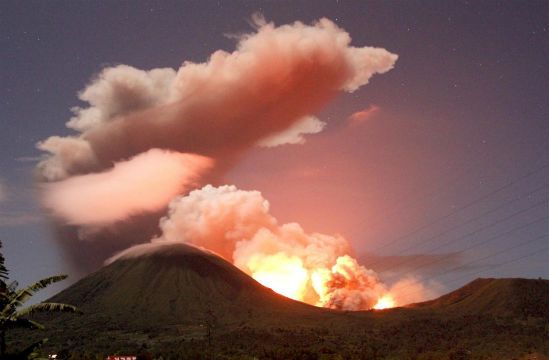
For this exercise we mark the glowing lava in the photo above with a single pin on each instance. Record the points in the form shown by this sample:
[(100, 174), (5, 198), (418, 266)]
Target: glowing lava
[(314, 268), (385, 302), (346, 285), (284, 275)]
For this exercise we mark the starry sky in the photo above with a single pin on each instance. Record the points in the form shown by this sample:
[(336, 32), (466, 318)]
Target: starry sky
[(445, 157)]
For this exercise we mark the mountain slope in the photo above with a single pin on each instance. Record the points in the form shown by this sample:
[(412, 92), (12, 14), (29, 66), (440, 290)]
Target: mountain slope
[(182, 302), (174, 284), (171, 292), (518, 298)]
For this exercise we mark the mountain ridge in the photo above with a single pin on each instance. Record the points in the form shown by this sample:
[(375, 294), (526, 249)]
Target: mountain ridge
[(179, 300), (500, 297)]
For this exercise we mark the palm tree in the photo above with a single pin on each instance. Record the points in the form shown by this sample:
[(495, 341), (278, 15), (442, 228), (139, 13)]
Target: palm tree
[(13, 314)]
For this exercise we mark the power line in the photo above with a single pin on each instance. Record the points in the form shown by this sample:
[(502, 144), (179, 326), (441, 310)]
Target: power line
[(504, 263), (479, 243), (544, 201), (489, 256), (491, 266), (469, 204), (474, 218), (485, 257), (396, 210)]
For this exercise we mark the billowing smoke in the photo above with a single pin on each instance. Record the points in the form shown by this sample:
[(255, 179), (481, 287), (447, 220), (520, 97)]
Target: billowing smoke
[(148, 136), (314, 268), (361, 116), (295, 133), (275, 78), (126, 189)]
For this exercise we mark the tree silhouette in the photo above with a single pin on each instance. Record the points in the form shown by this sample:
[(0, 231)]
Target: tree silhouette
[(13, 314)]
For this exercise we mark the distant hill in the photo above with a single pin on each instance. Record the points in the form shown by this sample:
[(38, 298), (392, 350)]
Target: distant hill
[(520, 298), (181, 302)]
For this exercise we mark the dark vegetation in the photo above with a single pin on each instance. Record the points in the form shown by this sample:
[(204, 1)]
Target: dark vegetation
[(13, 314), (183, 304)]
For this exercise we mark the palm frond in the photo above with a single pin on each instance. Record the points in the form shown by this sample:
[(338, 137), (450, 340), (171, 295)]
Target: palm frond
[(12, 286), (47, 307), (3, 270), (41, 284), (23, 323), (23, 295)]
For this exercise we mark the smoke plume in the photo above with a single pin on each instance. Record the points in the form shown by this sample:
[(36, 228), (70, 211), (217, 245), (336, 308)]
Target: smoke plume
[(314, 268), (275, 78), (295, 133), (126, 189), (150, 135)]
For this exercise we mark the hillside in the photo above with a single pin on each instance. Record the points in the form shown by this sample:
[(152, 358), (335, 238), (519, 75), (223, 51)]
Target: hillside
[(175, 284), (180, 302), (169, 292), (520, 298)]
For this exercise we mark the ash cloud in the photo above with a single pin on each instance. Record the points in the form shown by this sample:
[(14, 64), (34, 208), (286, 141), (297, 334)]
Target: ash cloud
[(396, 265), (126, 189), (363, 115), (275, 77), (263, 93), (295, 134), (311, 267)]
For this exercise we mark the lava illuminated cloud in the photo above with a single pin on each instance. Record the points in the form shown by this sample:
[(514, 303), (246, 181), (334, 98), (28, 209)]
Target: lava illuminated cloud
[(385, 302), (149, 136), (361, 116), (314, 268)]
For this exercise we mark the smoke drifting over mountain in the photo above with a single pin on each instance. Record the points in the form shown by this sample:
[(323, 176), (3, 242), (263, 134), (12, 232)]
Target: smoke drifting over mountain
[(314, 268), (148, 136)]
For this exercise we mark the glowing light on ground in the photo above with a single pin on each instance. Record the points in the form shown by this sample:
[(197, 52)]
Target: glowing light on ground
[(385, 302), (284, 275), (289, 276)]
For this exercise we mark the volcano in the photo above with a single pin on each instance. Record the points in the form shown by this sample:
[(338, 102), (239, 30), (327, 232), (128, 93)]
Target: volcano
[(182, 302), (175, 290), (172, 284)]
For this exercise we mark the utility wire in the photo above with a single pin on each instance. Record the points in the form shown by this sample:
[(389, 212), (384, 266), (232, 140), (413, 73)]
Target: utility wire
[(459, 225), (469, 204), (478, 244), (504, 263), (489, 256), (474, 261), (397, 210), (544, 201), (538, 251)]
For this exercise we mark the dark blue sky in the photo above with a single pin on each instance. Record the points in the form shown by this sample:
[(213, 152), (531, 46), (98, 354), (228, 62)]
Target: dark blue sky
[(464, 113)]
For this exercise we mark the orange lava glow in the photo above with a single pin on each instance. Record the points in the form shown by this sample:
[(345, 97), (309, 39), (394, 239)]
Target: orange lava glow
[(284, 275), (385, 302), (289, 276)]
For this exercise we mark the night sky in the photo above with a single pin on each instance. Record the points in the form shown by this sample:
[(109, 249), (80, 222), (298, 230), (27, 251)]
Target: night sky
[(450, 155)]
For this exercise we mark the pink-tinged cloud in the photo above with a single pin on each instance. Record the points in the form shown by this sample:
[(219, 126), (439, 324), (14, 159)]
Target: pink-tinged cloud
[(295, 134), (144, 183), (361, 116), (275, 78), (264, 93), (237, 224)]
